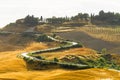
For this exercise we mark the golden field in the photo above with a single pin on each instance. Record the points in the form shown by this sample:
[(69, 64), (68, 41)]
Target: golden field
[(82, 52), (13, 68)]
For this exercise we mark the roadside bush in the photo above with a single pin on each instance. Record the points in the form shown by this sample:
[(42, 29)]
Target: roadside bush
[(56, 60), (83, 61), (39, 57), (104, 51), (44, 38), (103, 63), (73, 66), (80, 45)]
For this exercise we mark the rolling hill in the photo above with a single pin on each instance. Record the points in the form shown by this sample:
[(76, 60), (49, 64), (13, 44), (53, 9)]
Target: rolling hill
[(15, 43), (13, 68)]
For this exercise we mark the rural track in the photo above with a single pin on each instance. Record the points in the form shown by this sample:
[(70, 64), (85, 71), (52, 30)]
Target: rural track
[(90, 42), (70, 44)]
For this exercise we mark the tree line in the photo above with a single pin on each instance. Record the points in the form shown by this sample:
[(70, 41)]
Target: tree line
[(103, 18), (106, 18)]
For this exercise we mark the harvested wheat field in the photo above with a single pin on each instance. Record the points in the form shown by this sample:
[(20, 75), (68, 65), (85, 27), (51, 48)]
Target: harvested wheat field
[(13, 68)]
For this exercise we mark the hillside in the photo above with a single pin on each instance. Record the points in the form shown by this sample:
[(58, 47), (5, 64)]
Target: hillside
[(15, 68), (16, 36), (60, 59), (10, 42), (91, 36), (89, 41)]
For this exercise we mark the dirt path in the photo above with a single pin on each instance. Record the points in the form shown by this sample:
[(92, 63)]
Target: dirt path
[(90, 42)]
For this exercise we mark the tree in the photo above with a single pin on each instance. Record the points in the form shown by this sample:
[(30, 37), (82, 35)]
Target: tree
[(31, 20), (101, 13), (106, 18), (81, 17), (41, 18), (55, 20)]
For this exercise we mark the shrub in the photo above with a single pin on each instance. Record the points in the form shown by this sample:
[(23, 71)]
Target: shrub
[(104, 51), (56, 60), (103, 63), (39, 57), (73, 66), (54, 35), (44, 38), (83, 61)]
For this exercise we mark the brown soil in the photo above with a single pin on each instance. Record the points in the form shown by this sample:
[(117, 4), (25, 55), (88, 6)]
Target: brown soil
[(90, 42)]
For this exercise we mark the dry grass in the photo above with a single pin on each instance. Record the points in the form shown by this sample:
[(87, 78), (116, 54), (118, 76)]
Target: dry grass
[(8, 47), (76, 51), (13, 68), (89, 74), (63, 29), (13, 41), (44, 28), (35, 46), (107, 34), (16, 28)]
